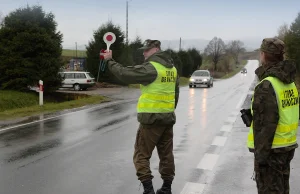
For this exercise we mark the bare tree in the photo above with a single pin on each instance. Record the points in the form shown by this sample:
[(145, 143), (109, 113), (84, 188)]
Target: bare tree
[(282, 31), (234, 49), (215, 49), (226, 63)]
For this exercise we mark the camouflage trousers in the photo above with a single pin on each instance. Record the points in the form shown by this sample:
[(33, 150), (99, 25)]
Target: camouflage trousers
[(147, 138), (273, 178)]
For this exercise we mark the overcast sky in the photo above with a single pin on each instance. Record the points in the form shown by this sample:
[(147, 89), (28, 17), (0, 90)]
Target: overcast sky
[(167, 19)]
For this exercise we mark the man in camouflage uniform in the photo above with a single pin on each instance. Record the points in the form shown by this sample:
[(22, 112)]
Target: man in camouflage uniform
[(156, 128), (273, 154)]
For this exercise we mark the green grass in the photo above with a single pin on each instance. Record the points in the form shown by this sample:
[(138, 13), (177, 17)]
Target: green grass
[(14, 99), (28, 106), (72, 53), (236, 70), (222, 74), (205, 65)]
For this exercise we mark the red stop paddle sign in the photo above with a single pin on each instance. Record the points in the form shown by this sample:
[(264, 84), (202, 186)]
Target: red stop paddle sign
[(109, 38)]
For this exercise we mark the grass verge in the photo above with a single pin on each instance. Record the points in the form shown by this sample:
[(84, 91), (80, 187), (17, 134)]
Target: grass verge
[(72, 53), (236, 70), (13, 99), (183, 81), (32, 110)]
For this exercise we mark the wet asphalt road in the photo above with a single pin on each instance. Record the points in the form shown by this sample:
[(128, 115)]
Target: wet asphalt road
[(91, 151)]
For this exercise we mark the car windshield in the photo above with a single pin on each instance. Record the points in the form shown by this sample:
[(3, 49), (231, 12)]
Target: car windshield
[(201, 73)]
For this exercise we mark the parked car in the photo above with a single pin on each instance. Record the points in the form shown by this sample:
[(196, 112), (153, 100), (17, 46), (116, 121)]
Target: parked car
[(201, 77), (77, 80)]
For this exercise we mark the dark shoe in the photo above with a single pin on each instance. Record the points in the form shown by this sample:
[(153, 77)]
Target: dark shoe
[(149, 192), (164, 191), (165, 188), (148, 187)]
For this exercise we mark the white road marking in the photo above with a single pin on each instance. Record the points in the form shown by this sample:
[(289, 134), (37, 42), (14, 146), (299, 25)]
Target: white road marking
[(235, 113), (219, 141), (231, 119), (208, 161), (192, 188), (226, 128)]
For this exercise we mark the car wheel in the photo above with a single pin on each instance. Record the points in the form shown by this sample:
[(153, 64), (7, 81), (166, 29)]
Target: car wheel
[(190, 86), (76, 87)]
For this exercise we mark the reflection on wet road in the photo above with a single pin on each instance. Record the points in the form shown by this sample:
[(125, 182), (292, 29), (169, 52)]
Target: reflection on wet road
[(91, 151)]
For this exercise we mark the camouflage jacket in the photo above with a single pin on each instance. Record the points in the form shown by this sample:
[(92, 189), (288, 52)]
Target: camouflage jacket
[(145, 74), (265, 109)]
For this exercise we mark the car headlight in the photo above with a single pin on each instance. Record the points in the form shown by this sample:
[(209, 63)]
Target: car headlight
[(205, 80), (192, 80)]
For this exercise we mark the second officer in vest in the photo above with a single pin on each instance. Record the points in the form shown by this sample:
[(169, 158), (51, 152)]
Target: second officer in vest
[(156, 106), (275, 110)]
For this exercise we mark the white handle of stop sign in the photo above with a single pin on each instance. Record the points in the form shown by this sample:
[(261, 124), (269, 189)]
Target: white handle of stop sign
[(108, 45)]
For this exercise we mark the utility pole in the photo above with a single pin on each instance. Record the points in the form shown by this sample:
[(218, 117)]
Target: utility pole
[(126, 23), (180, 44), (76, 48)]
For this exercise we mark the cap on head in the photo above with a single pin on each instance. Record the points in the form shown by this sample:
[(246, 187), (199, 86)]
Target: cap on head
[(272, 46), (148, 44)]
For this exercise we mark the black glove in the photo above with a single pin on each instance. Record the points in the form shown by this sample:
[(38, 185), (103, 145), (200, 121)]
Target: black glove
[(246, 117)]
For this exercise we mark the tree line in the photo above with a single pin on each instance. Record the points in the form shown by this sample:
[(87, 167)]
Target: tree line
[(186, 61), (290, 34), (31, 48)]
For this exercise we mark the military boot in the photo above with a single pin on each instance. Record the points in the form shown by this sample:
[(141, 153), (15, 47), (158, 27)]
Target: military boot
[(166, 188), (148, 187)]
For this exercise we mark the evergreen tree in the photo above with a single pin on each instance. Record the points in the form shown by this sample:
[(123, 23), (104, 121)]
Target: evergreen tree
[(30, 49)]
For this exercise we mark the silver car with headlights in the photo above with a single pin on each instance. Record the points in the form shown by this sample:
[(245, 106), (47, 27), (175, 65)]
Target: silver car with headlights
[(201, 77)]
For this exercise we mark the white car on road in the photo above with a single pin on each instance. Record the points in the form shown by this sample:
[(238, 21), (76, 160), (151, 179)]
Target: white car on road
[(77, 80), (201, 77)]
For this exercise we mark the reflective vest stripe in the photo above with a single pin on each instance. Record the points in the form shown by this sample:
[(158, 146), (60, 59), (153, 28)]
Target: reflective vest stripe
[(158, 97), (156, 105)]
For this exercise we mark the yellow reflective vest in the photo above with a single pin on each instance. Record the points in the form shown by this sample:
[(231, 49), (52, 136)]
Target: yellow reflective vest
[(159, 96), (288, 107)]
